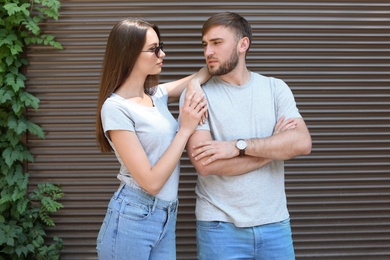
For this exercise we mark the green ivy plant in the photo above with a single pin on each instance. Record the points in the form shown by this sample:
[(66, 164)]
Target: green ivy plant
[(24, 215)]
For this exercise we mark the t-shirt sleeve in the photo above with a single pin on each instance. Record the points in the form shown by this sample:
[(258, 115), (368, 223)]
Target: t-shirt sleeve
[(115, 117), (205, 125), (161, 95), (285, 101)]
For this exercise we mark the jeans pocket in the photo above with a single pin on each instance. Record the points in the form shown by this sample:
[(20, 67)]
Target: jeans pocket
[(104, 226), (207, 224), (136, 211)]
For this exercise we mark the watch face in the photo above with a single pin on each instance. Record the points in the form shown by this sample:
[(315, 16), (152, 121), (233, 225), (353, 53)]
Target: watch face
[(241, 144)]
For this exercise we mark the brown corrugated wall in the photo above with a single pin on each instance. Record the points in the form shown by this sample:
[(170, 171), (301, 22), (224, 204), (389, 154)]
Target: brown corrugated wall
[(335, 56)]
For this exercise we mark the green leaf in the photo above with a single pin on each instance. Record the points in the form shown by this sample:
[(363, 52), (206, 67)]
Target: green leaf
[(50, 205), (40, 238), (22, 127), (47, 37), (2, 237), (18, 251), (6, 41), (13, 138), (18, 195), (2, 67), (14, 80), (32, 26), (14, 70), (29, 100), (37, 19), (27, 40), (35, 244), (9, 60), (9, 156), (16, 49), (35, 129), (17, 153), (26, 155), (22, 205), (11, 8), (17, 107), (5, 198), (23, 61), (57, 45), (30, 247), (18, 125), (6, 96), (13, 179), (12, 37), (10, 241), (25, 9), (12, 122)]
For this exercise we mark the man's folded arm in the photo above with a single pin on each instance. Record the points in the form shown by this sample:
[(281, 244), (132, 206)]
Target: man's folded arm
[(226, 167)]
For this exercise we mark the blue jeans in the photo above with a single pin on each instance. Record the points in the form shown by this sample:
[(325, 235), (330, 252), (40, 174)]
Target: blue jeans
[(138, 226), (222, 241)]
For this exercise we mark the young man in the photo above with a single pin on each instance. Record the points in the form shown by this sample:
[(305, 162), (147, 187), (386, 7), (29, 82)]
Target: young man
[(253, 126)]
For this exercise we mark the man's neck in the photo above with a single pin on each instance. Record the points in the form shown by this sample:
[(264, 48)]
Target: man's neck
[(237, 77)]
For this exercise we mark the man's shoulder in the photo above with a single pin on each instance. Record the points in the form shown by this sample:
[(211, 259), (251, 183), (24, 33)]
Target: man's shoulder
[(270, 80), (214, 80), (260, 76)]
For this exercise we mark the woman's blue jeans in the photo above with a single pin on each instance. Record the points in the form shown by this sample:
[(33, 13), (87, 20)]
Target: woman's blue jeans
[(138, 226), (222, 241)]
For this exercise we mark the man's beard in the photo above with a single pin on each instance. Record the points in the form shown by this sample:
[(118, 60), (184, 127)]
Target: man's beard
[(226, 67)]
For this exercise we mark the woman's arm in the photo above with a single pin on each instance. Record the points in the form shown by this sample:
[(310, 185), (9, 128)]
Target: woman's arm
[(149, 177), (175, 88)]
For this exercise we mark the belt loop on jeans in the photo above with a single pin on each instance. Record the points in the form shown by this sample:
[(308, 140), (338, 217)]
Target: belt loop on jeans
[(155, 200), (122, 185)]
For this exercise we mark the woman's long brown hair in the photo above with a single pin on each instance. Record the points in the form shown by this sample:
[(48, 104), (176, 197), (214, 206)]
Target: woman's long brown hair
[(124, 45)]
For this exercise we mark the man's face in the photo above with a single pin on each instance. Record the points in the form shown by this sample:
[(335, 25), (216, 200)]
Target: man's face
[(220, 50)]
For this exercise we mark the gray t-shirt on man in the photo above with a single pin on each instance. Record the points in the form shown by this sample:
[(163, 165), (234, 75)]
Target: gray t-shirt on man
[(248, 111)]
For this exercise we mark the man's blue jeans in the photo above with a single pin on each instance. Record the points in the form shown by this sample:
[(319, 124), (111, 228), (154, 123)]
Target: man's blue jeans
[(138, 226), (222, 241)]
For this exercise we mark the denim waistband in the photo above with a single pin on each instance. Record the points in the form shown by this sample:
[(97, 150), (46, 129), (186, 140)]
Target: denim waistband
[(129, 190)]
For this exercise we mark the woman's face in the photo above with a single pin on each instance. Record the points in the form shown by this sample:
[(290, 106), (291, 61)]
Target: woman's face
[(148, 62)]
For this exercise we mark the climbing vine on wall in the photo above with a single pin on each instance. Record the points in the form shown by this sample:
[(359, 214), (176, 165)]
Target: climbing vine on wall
[(24, 215)]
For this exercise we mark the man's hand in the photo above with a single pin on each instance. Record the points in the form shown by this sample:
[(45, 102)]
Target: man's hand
[(227, 149), (282, 125), (215, 149)]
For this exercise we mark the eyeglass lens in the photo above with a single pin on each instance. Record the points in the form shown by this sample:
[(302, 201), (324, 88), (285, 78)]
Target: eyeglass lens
[(158, 49)]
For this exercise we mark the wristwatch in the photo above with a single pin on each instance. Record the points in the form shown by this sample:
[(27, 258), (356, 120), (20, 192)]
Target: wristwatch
[(241, 145)]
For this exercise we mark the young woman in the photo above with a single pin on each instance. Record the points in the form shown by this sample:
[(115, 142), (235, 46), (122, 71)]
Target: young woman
[(133, 120)]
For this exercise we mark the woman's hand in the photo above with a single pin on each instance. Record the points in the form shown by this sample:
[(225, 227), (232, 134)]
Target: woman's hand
[(201, 77), (194, 107), (194, 85)]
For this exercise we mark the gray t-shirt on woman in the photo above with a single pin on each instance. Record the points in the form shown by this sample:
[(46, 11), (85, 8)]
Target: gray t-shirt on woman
[(248, 111), (155, 128)]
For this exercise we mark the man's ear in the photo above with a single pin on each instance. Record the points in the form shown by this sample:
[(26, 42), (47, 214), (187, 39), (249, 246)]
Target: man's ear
[(243, 44)]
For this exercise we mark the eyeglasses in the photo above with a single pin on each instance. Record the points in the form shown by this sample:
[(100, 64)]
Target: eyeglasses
[(156, 49)]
